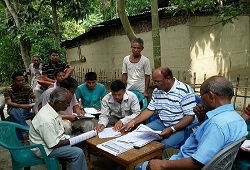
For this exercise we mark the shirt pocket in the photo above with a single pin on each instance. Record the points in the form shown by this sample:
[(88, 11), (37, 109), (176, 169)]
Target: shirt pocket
[(126, 111)]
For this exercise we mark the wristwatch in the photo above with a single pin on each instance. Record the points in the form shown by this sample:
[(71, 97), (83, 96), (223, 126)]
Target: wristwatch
[(173, 129)]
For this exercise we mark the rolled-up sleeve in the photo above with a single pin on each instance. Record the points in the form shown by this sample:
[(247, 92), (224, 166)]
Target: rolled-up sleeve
[(104, 116), (134, 109)]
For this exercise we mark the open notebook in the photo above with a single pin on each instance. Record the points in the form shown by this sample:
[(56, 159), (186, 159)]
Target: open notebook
[(141, 136)]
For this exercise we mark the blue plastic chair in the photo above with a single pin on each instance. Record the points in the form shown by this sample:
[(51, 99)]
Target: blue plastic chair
[(142, 100), (23, 156), (225, 158)]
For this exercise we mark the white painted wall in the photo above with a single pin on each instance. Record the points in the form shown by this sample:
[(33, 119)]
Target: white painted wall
[(198, 46)]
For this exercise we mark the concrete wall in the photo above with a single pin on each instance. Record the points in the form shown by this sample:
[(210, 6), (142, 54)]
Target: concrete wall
[(199, 46), (108, 53), (215, 49)]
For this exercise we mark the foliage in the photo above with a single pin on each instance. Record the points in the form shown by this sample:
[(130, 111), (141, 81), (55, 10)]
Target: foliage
[(136, 6), (10, 56), (74, 18), (107, 8), (226, 10), (91, 20)]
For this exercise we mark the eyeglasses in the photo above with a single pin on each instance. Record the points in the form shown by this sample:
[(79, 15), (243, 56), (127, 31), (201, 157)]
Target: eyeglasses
[(67, 104), (158, 81), (204, 93)]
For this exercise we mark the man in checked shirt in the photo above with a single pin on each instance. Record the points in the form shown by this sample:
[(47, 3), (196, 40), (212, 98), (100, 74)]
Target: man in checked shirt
[(118, 107)]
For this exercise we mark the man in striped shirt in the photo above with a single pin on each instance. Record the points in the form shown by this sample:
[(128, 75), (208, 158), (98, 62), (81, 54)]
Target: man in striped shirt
[(246, 114), (173, 101), (17, 97), (50, 67)]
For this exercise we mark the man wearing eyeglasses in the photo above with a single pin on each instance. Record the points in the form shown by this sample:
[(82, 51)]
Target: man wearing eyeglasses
[(46, 128), (174, 102), (220, 126), (73, 110)]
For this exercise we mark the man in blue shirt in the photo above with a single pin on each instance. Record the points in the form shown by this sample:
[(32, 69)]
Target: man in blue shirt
[(91, 92), (220, 126)]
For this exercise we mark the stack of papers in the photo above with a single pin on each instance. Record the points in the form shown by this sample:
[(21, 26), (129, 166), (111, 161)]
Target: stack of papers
[(77, 139), (115, 148), (85, 116), (246, 145), (141, 136), (92, 111)]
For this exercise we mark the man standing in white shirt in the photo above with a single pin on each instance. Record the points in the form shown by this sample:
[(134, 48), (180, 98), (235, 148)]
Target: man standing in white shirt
[(136, 69)]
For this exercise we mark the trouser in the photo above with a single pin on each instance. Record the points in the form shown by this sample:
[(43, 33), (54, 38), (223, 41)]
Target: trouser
[(176, 140), (167, 153), (74, 154), (18, 115), (85, 125), (113, 120)]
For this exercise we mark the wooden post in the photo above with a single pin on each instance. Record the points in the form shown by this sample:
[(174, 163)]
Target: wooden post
[(245, 94), (236, 89)]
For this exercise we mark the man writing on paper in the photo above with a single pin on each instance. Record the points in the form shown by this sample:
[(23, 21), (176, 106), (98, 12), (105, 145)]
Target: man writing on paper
[(47, 129), (69, 119), (118, 107), (220, 126), (90, 93), (174, 102)]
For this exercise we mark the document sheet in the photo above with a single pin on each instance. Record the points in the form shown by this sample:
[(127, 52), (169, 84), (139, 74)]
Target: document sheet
[(108, 133), (85, 116), (246, 145), (92, 111), (82, 137), (135, 139)]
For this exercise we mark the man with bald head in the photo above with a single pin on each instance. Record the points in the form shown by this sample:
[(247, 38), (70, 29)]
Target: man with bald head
[(220, 126), (174, 101), (47, 129)]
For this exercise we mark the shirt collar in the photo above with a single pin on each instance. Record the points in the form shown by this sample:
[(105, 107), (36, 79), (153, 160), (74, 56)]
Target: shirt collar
[(125, 97), (218, 110), (52, 112)]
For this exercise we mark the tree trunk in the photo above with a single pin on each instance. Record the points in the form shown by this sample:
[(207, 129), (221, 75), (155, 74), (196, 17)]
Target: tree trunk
[(156, 34), (24, 45), (55, 21), (124, 19)]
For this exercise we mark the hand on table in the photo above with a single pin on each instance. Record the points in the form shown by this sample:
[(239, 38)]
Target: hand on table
[(99, 127), (118, 126), (128, 126)]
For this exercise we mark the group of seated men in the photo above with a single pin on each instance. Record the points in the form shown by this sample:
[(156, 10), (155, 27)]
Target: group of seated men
[(174, 101)]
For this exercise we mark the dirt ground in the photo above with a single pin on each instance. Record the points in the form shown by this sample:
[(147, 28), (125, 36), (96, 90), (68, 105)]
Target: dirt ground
[(99, 163)]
